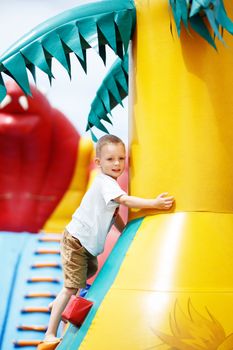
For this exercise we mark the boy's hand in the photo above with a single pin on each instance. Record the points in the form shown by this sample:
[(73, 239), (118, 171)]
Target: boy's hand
[(162, 202)]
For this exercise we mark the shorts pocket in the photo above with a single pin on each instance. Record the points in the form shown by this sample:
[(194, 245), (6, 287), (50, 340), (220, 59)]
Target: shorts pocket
[(70, 246)]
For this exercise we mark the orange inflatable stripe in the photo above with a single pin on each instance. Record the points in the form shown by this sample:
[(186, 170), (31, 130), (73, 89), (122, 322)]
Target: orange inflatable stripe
[(45, 264), (32, 328), (35, 309), (40, 295), (49, 239), (43, 279), (24, 343), (47, 251)]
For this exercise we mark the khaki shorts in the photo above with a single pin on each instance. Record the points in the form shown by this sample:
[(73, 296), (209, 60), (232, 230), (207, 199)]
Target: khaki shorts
[(78, 264)]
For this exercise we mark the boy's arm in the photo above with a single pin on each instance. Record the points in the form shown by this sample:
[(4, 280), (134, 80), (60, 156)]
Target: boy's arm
[(119, 223), (161, 202)]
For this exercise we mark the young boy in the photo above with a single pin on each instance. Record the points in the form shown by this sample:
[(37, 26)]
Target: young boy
[(84, 237)]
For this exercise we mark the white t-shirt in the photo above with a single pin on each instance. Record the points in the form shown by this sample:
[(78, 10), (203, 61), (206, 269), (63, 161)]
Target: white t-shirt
[(93, 219)]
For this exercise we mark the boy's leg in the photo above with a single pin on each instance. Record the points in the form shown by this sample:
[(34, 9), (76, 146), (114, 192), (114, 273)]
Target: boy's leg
[(59, 305)]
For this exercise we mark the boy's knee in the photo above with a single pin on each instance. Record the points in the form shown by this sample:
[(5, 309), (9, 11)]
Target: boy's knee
[(70, 291)]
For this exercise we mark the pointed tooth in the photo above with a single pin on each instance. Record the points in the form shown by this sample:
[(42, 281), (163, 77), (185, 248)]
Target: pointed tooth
[(6, 101), (23, 102)]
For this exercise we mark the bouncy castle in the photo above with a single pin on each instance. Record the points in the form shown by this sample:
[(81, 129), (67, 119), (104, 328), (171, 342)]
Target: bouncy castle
[(167, 283)]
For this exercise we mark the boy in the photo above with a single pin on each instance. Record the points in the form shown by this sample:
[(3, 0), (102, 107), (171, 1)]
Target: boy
[(84, 237)]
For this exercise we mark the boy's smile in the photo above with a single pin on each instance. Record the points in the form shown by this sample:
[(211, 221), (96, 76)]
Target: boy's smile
[(112, 159)]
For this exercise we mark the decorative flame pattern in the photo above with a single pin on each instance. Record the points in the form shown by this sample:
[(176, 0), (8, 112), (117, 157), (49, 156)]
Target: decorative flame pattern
[(193, 331)]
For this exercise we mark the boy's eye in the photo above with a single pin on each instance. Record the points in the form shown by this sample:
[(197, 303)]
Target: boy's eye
[(109, 159), (122, 158)]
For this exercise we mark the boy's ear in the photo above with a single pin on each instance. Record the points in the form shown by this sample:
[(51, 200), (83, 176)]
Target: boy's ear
[(97, 161)]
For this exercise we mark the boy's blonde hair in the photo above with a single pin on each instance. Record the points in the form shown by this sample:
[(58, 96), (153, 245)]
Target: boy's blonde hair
[(107, 139)]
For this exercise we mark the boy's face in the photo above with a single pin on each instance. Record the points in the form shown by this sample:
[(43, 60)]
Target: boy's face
[(112, 159)]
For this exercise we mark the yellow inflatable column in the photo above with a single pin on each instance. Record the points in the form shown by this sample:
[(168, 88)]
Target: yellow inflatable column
[(183, 114)]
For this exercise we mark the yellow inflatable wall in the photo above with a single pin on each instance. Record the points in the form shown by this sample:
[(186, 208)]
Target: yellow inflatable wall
[(182, 117)]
